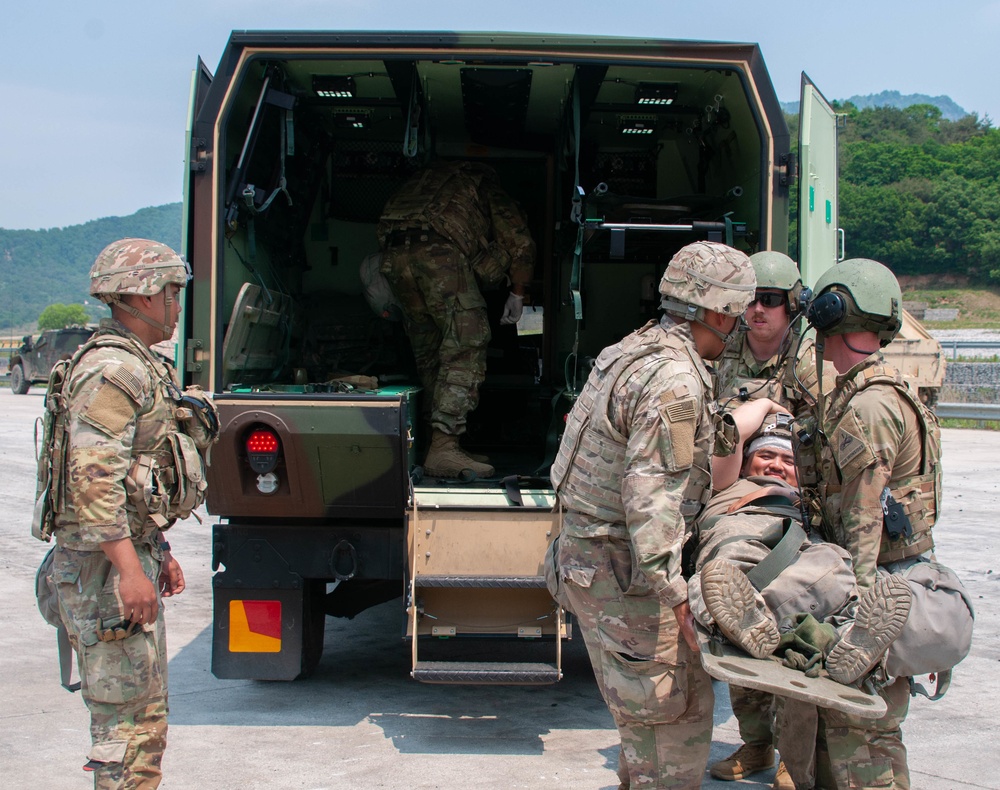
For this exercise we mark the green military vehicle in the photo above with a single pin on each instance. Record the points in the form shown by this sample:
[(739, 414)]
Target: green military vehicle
[(620, 151), (33, 361)]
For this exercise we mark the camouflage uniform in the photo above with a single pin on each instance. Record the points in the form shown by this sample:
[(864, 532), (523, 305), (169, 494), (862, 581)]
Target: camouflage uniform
[(127, 465), (876, 434), (777, 380), (121, 406), (446, 232), (737, 369), (742, 524)]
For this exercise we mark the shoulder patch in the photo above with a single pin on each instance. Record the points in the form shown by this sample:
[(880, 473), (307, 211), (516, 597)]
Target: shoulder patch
[(850, 446), (116, 400)]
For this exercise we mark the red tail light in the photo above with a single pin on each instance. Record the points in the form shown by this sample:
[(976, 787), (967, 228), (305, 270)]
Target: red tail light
[(262, 450)]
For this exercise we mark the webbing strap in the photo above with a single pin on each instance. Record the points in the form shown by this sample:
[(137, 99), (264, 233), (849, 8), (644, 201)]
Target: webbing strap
[(943, 682), (780, 557), (65, 659)]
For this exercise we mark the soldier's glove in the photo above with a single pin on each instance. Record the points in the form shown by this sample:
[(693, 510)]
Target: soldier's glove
[(805, 642), (513, 309)]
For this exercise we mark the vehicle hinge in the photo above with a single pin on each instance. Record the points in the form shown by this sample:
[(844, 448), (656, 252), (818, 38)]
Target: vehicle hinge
[(194, 354), (199, 157), (787, 169)]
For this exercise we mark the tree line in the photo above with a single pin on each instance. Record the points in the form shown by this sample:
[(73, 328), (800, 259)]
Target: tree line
[(39, 268), (920, 193)]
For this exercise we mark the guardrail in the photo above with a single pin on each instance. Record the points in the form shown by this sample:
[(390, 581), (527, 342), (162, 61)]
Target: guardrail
[(959, 345), (968, 411)]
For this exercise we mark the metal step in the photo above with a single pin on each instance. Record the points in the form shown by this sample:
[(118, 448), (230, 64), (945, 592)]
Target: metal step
[(480, 582), (486, 673)]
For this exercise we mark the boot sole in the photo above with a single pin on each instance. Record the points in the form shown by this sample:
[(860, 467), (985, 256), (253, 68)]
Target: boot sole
[(881, 615), (732, 601)]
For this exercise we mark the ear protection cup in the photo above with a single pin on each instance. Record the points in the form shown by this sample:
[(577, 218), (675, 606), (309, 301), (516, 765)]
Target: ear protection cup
[(827, 312)]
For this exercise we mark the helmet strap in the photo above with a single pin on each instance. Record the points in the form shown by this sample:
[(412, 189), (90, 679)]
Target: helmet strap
[(164, 328)]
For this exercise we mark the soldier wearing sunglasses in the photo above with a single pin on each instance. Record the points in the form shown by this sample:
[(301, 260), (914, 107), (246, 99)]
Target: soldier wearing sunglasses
[(761, 365)]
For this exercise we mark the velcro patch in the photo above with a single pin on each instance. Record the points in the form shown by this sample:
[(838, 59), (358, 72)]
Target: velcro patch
[(680, 416), (110, 410)]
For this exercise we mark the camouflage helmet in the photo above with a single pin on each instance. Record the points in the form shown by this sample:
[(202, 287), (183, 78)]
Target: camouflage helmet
[(707, 275), (777, 271), (136, 266), (858, 295), (775, 431)]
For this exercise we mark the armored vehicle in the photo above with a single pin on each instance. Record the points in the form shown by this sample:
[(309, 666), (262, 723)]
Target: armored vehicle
[(620, 151), (33, 361)]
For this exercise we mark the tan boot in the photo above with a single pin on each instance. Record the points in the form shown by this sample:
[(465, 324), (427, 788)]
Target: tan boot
[(881, 615), (446, 459), (750, 758), (738, 609), (782, 779)]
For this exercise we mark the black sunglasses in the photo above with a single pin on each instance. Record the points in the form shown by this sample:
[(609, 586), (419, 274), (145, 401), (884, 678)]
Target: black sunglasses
[(768, 299)]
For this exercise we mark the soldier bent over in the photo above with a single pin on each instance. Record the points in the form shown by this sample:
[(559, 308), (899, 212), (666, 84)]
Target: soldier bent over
[(632, 474)]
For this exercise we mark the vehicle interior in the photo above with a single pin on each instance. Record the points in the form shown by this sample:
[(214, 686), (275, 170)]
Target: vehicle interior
[(616, 164)]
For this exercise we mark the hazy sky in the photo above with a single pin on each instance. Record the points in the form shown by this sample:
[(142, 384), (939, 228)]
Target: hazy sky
[(94, 94)]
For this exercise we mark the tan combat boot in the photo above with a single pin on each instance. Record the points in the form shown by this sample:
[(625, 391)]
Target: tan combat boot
[(446, 459), (738, 609), (750, 758), (782, 779), (880, 616)]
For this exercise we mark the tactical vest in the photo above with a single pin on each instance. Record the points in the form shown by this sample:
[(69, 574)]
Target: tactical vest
[(919, 494), (590, 464), (776, 380), (445, 199), (166, 480)]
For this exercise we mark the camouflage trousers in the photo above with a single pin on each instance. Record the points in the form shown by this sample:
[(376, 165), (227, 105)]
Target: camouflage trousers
[(124, 682), (654, 686), (835, 751), (445, 317), (754, 712)]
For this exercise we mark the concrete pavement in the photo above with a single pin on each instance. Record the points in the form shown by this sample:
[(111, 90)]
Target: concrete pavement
[(361, 722)]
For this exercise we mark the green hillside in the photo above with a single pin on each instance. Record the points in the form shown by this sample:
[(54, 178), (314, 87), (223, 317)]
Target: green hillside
[(42, 267)]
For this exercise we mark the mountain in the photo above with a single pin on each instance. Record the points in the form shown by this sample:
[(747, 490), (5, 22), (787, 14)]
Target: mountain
[(43, 267), (949, 109)]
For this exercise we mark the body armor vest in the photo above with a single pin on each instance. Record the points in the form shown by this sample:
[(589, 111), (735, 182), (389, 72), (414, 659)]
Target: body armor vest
[(776, 379), (166, 479), (819, 478), (590, 464)]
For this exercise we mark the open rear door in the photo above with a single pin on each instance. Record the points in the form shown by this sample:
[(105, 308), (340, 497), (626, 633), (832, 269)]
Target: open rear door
[(819, 235), (195, 162)]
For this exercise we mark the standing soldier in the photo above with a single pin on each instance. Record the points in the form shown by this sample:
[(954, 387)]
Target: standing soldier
[(869, 467), (632, 474), (125, 464), (448, 232), (768, 363)]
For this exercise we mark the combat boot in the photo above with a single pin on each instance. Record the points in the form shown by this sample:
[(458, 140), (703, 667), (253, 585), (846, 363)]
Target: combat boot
[(782, 779), (446, 459), (881, 615), (750, 758), (738, 609)]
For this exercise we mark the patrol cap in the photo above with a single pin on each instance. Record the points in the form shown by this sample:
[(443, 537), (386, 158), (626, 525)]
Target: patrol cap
[(707, 275), (136, 266)]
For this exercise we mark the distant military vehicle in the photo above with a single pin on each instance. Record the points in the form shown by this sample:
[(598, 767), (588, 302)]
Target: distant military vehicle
[(33, 361), (620, 151), (919, 357)]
